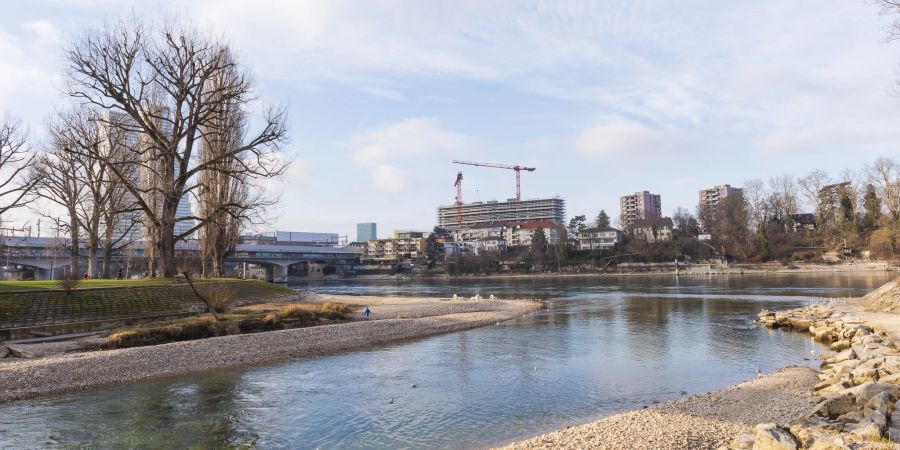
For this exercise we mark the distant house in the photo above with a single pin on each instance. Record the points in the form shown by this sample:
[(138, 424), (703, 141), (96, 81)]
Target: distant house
[(599, 238), (521, 234), (653, 230), (489, 244), (805, 221)]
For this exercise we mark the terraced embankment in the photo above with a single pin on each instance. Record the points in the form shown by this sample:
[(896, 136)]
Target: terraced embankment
[(49, 312)]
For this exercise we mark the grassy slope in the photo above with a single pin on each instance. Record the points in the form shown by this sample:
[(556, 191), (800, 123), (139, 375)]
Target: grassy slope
[(32, 303), (42, 285)]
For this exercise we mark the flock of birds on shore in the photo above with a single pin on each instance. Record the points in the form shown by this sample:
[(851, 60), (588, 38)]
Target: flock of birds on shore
[(476, 297)]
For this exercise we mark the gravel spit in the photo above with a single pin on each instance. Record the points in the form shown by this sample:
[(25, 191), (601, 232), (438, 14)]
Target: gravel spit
[(26, 378)]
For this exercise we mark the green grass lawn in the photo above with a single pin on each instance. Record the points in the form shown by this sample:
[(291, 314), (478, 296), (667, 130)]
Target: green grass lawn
[(16, 285), (41, 285)]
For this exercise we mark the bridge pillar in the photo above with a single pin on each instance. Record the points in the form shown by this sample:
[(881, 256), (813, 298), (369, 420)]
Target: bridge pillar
[(276, 273), (315, 271)]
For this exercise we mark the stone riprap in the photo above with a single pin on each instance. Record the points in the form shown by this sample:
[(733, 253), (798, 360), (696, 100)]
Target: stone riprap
[(857, 389)]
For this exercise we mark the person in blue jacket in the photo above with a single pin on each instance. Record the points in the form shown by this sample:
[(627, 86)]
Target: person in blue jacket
[(366, 312)]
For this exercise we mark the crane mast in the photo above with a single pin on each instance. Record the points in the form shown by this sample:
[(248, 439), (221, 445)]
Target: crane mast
[(459, 201)]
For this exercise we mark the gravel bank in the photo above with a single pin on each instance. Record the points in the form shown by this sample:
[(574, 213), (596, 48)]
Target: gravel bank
[(27, 378), (706, 421)]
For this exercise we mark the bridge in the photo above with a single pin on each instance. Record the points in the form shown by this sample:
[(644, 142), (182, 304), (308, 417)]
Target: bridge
[(47, 258)]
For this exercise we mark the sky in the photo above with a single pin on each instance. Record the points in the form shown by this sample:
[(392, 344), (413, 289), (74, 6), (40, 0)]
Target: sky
[(604, 98)]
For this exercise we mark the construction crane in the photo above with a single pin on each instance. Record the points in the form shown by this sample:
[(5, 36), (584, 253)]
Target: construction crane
[(459, 202), (517, 168)]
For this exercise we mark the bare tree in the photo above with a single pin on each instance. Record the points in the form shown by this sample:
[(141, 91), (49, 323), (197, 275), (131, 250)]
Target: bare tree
[(811, 186), (756, 195), (884, 174), (15, 161), (159, 79), (59, 178), (783, 199), (227, 197)]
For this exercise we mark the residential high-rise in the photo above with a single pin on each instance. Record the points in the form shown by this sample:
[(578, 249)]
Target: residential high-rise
[(366, 232), (640, 205), (468, 215), (835, 204), (710, 198)]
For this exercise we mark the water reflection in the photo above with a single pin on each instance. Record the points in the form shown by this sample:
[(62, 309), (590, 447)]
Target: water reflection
[(605, 345)]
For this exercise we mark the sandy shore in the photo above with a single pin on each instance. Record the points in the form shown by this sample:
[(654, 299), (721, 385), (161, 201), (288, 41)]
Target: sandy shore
[(392, 320), (706, 421)]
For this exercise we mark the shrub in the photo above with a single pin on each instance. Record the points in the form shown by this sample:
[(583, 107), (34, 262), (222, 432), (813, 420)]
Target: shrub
[(335, 311), (295, 311), (69, 283), (218, 296), (181, 330)]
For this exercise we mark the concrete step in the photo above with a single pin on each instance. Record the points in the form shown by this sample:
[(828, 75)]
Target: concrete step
[(54, 338)]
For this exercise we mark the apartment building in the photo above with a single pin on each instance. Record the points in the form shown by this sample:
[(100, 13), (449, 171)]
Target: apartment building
[(653, 230), (599, 238), (469, 215), (521, 234), (405, 245), (640, 205), (710, 198), (835, 204)]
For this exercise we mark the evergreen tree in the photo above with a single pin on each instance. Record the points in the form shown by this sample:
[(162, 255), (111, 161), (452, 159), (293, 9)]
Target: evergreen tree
[(602, 219), (576, 224), (872, 207), (539, 246)]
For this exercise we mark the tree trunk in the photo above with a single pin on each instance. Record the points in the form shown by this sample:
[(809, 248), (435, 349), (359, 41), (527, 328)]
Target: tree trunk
[(92, 260), (107, 260), (73, 235)]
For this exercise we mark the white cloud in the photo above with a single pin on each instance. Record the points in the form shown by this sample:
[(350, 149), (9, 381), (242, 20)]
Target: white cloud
[(619, 137), (861, 137), (385, 149), (29, 70), (389, 94), (388, 178)]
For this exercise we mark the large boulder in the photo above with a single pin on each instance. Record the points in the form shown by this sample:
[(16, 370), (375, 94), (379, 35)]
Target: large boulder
[(743, 441), (844, 356), (817, 438), (799, 324), (835, 406), (868, 391), (772, 437)]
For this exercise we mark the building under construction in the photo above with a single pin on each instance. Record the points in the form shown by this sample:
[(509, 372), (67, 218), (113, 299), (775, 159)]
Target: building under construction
[(468, 215)]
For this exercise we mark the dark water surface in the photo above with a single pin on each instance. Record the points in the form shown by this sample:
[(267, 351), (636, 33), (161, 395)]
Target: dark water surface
[(606, 345)]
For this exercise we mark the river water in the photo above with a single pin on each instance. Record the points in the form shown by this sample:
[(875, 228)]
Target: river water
[(604, 346)]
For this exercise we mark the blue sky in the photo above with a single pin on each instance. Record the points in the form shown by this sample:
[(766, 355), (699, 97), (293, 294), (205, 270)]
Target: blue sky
[(604, 98)]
